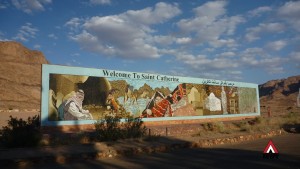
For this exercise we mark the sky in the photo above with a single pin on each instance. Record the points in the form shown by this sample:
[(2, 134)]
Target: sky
[(235, 40)]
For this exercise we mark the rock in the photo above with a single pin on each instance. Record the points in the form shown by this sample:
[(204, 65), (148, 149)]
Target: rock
[(280, 95), (60, 159), (100, 155), (20, 76)]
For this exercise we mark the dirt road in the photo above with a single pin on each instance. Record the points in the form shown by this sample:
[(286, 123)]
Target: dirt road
[(244, 155)]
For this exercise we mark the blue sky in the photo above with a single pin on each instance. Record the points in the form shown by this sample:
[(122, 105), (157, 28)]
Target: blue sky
[(247, 41)]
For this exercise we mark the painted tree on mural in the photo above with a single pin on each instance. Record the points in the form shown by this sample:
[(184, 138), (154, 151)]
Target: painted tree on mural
[(247, 100)]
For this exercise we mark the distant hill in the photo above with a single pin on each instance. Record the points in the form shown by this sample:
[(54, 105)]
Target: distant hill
[(20, 76), (280, 95)]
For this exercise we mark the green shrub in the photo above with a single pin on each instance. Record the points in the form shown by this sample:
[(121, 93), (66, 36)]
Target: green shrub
[(134, 128), (220, 127), (111, 129), (258, 120), (291, 115), (108, 129), (208, 126), (21, 133), (292, 118), (245, 126), (214, 126)]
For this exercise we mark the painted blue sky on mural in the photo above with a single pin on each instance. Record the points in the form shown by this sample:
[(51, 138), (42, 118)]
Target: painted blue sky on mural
[(250, 41)]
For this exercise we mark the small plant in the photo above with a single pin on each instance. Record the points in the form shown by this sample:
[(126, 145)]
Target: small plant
[(292, 118), (244, 126), (108, 129), (220, 127), (214, 127), (111, 129), (21, 133), (208, 126), (291, 115), (258, 120), (133, 128)]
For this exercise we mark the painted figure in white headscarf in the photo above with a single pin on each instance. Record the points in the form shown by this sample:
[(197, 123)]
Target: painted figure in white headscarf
[(73, 108)]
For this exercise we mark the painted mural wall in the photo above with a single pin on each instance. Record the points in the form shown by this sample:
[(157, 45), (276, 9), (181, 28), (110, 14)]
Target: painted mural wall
[(92, 94)]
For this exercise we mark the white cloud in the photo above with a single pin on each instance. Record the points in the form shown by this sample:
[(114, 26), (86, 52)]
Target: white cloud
[(75, 54), (210, 24), (205, 16), (176, 71), (184, 40), (100, 2), (52, 36), (253, 51), (127, 34), (209, 49), (29, 6), (257, 58), (275, 70), (290, 12), (159, 14), (204, 63), (276, 45), (73, 62), (26, 32), (223, 42), (259, 11), (4, 4), (74, 24), (2, 37), (235, 72), (232, 74), (255, 32), (162, 40), (212, 75), (37, 46), (229, 65), (227, 54), (211, 9), (295, 58)]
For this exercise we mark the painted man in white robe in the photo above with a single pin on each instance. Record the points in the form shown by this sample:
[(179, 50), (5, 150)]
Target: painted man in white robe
[(73, 108)]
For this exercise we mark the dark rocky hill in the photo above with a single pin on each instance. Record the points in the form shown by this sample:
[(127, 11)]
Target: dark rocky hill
[(280, 95)]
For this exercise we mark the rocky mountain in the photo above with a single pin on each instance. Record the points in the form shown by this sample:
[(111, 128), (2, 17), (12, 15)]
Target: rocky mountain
[(20, 76), (119, 86), (280, 95)]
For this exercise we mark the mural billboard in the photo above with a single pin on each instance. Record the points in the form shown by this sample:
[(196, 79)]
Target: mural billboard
[(73, 95)]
